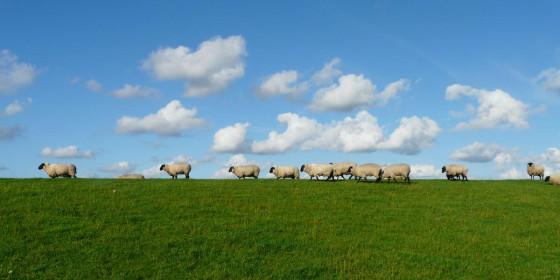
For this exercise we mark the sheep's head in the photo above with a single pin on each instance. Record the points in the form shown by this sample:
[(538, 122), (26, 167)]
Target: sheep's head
[(443, 169), (272, 169), (547, 179), (162, 167), (302, 167), (231, 169), (42, 165), (530, 164)]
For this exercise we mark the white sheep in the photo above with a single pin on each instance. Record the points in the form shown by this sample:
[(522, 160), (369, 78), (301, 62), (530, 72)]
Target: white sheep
[(365, 170), (243, 171), (59, 169), (285, 172), (318, 169), (131, 176), (342, 168), (455, 170), (535, 170), (553, 179), (401, 170), (175, 169)]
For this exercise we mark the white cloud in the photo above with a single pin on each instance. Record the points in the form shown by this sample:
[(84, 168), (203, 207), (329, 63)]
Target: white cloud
[(122, 167), (512, 174), (231, 139), (496, 108), (16, 107), (424, 170), (211, 68), (9, 132), (327, 73), (129, 91), (391, 92), (359, 134), (282, 83), (168, 121), (550, 79), (412, 135), (298, 129), (14, 75), (67, 152), (477, 152), (184, 158), (350, 93), (153, 172), (94, 86)]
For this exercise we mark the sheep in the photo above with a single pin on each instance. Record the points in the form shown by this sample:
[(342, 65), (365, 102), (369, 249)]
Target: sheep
[(131, 176), (243, 171), (455, 170), (285, 172), (554, 179), (318, 169), (174, 169), (59, 169), (535, 170), (365, 170), (401, 170), (342, 168)]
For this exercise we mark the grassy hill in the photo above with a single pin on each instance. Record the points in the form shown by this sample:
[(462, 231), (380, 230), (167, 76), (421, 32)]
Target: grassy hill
[(278, 229)]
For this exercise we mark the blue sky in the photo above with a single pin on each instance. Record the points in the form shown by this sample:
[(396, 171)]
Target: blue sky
[(123, 87)]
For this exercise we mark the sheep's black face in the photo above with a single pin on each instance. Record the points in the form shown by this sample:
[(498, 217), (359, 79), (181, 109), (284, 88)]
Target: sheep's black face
[(547, 179), (161, 167), (302, 167), (443, 169), (271, 170), (530, 164), (41, 166), (231, 169)]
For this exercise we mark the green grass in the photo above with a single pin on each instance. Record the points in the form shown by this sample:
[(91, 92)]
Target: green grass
[(278, 229)]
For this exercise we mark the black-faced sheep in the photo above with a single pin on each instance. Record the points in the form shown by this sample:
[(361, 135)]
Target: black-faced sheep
[(175, 169), (318, 169), (535, 170), (59, 169), (455, 170), (285, 172), (243, 171)]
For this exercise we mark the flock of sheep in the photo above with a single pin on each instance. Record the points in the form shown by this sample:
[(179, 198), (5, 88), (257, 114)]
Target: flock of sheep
[(329, 170)]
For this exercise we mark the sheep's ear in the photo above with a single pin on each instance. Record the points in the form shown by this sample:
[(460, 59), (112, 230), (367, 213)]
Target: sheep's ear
[(161, 167)]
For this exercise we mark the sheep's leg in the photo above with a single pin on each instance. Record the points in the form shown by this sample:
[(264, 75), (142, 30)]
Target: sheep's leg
[(342, 177)]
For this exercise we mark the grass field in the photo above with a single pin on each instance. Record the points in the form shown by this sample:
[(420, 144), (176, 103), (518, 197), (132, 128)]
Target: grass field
[(275, 229)]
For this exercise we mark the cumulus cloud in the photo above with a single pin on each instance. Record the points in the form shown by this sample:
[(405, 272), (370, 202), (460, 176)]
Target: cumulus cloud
[(496, 108), (129, 91), (9, 132), (67, 152), (391, 91), (16, 107), (550, 79), (94, 86), (424, 170), (327, 73), (282, 83), (211, 68), (14, 75), (119, 168), (478, 152), (413, 135), (298, 129), (231, 139), (168, 121)]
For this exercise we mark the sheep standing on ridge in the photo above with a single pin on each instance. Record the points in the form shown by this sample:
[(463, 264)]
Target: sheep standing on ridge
[(535, 170), (131, 176), (318, 169), (342, 168), (243, 171), (175, 169), (285, 172), (59, 169), (365, 170), (401, 170), (553, 179), (455, 170)]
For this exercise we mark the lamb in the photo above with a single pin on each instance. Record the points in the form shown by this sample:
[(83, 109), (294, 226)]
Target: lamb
[(455, 170), (285, 172), (131, 176), (535, 170), (318, 169), (175, 169), (401, 170), (59, 169), (554, 179), (243, 171), (365, 170), (342, 168)]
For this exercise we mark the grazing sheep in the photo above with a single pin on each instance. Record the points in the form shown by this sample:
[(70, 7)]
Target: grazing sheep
[(535, 170), (455, 170), (175, 169), (554, 179), (131, 176), (243, 171), (365, 170), (318, 169), (59, 169), (285, 172), (342, 168), (401, 170)]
